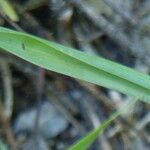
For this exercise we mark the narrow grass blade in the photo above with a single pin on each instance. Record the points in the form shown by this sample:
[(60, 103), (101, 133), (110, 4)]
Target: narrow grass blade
[(86, 141), (8, 10), (77, 64)]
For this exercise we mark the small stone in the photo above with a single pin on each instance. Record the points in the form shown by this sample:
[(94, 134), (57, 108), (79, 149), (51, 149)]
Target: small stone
[(51, 122)]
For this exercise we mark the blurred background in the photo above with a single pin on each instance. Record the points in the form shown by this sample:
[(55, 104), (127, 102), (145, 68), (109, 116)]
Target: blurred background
[(43, 110)]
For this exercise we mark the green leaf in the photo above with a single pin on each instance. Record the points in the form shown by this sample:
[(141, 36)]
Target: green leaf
[(3, 146), (77, 64), (8, 10), (86, 141)]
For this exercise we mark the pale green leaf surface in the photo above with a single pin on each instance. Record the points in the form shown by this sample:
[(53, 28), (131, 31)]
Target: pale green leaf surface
[(77, 64), (8, 10), (3, 146)]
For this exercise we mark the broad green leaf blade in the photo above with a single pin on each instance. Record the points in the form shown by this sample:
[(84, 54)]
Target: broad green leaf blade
[(8, 10), (68, 61), (86, 141)]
